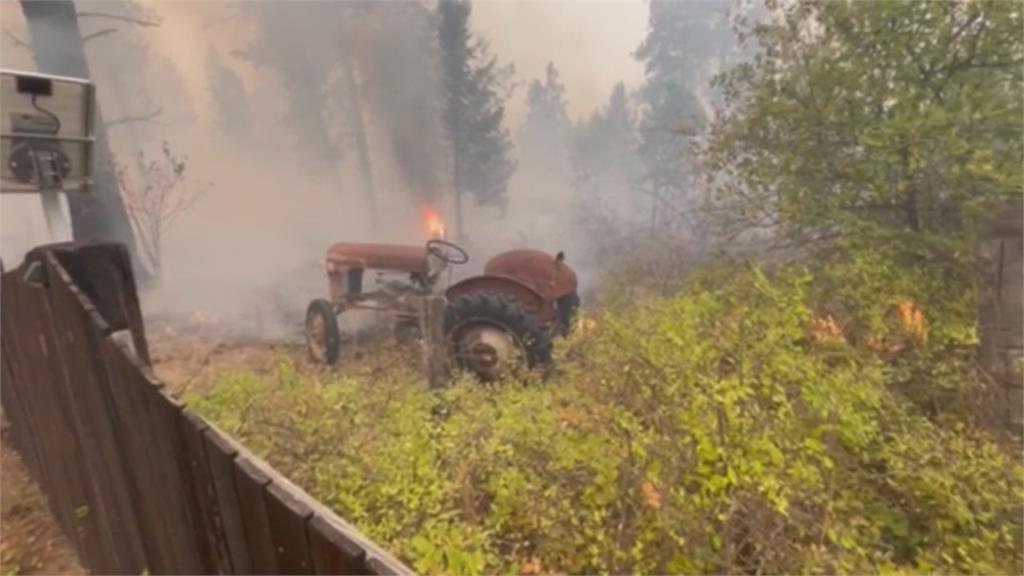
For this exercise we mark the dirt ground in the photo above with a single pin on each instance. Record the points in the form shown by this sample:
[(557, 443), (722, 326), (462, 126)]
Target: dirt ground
[(192, 365), (31, 541), (190, 358)]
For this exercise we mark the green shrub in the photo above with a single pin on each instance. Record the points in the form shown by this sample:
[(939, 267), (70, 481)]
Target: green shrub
[(725, 429)]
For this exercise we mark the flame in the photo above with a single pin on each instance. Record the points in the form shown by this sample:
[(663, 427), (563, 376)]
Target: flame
[(433, 222), (826, 330), (912, 318)]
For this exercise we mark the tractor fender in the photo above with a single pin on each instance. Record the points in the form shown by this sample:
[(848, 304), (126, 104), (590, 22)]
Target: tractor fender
[(549, 275), (531, 301)]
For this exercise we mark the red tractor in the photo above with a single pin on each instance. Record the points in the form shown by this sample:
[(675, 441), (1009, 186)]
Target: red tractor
[(502, 318)]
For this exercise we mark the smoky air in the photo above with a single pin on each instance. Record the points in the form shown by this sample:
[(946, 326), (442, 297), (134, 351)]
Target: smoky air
[(275, 129)]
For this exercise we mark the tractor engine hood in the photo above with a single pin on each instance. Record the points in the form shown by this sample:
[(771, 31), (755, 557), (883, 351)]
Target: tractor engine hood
[(390, 257)]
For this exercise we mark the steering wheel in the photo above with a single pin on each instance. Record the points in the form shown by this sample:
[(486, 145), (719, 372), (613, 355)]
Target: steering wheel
[(447, 252)]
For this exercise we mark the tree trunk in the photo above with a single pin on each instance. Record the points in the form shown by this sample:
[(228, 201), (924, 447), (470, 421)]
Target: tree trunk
[(56, 44), (134, 142), (654, 211), (459, 237), (910, 202), (356, 121)]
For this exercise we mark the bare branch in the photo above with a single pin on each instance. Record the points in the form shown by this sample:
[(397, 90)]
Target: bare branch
[(98, 34), (132, 119), (156, 200), (15, 40), (139, 21)]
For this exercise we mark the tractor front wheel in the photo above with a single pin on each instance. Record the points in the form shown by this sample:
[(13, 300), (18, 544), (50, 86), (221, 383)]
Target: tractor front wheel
[(491, 336), (322, 334)]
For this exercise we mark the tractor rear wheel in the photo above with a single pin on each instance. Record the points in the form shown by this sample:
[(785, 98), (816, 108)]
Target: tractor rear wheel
[(322, 334), (491, 335)]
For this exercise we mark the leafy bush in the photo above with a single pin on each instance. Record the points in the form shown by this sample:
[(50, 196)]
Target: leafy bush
[(899, 116), (730, 428)]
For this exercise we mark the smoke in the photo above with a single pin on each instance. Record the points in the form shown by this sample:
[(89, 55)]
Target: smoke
[(248, 256), (397, 62)]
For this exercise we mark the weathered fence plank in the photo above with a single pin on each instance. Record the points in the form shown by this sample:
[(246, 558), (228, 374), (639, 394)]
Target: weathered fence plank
[(41, 374), (212, 525), (333, 551), (194, 554), (142, 452), (288, 517), (221, 457), (250, 482), (79, 341), (379, 566), (1000, 284), (18, 405), (20, 425), (103, 273)]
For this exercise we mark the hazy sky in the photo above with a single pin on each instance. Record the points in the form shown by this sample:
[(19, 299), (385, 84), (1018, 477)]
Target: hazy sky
[(591, 43)]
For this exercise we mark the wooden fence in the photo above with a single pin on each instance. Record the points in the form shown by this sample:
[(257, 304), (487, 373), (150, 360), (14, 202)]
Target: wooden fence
[(1000, 281), (137, 481)]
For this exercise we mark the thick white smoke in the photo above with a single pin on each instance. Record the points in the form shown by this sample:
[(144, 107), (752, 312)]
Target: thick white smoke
[(249, 253)]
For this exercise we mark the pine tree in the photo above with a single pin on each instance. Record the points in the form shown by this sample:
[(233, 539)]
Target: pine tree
[(397, 55), (605, 167), (540, 192), (475, 88), (299, 42), (544, 136), (681, 39), (229, 98), (604, 158)]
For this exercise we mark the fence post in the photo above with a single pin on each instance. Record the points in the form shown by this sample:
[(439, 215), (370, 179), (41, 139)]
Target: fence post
[(435, 347), (1000, 285)]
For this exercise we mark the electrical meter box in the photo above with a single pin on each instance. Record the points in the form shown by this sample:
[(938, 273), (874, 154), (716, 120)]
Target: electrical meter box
[(46, 133)]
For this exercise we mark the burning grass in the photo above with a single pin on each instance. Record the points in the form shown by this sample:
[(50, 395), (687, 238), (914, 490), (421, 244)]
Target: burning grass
[(716, 431)]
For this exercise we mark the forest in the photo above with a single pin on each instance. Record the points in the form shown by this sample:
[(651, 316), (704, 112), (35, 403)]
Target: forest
[(775, 367)]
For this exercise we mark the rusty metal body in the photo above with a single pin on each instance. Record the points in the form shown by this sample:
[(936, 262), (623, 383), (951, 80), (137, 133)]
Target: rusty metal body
[(532, 278), (346, 263), (494, 321)]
